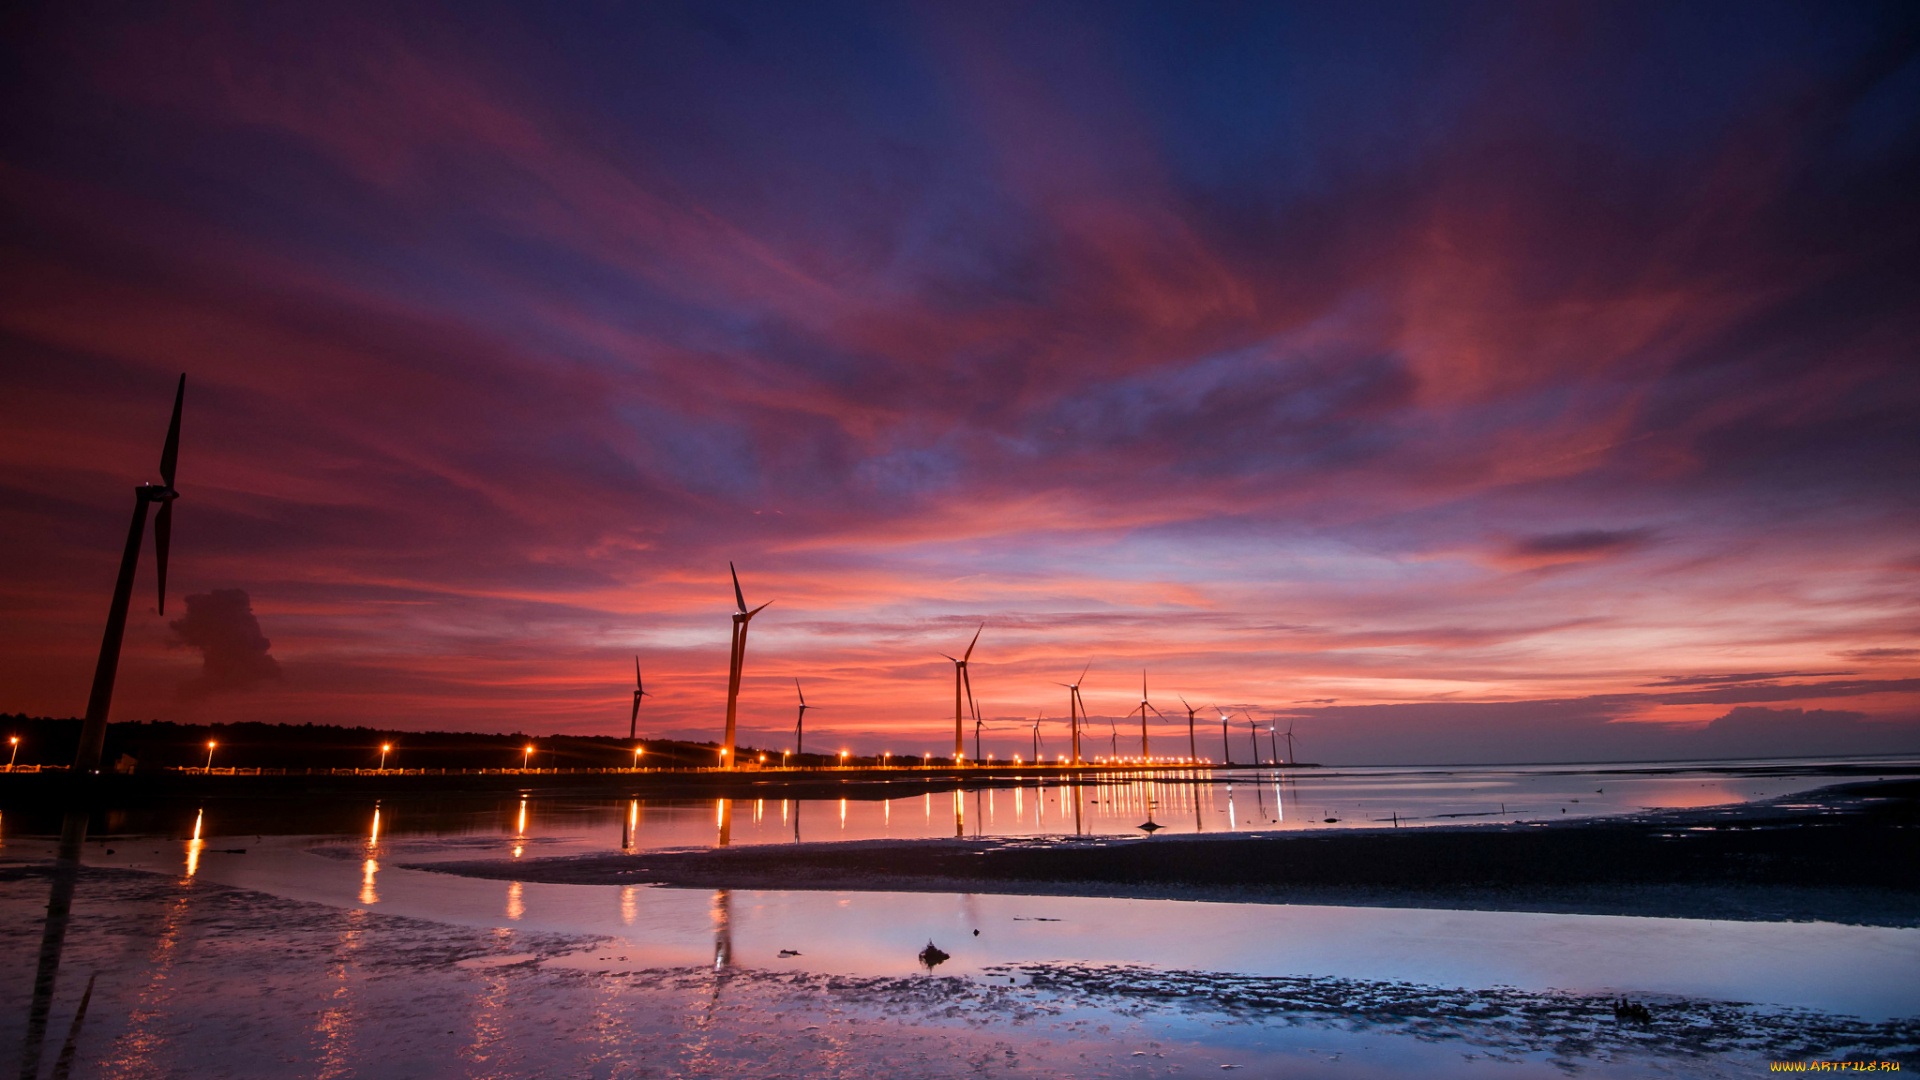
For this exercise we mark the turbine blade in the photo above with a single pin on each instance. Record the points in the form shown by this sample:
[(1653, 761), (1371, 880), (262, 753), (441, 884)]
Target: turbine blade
[(802, 693), (162, 540), (758, 610), (171, 452), (637, 685), (738, 597), (1084, 670), (967, 681), (975, 641)]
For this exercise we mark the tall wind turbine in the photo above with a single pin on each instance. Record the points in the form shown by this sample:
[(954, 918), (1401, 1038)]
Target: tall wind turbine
[(800, 721), (962, 680), (1193, 748), (1142, 710), (740, 620), (1226, 745), (639, 691), (1036, 737), (1076, 708), (977, 724), (93, 732), (1290, 758)]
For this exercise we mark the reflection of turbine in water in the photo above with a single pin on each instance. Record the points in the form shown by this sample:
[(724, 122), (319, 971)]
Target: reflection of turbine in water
[(737, 662), (723, 811), (962, 681), (959, 814), (516, 905), (630, 827)]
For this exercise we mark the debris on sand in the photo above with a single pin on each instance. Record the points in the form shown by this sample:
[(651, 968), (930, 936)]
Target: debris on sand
[(931, 956)]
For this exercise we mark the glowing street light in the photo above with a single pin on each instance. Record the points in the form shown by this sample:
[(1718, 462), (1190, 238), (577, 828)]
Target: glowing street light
[(763, 759), (210, 745), (843, 758), (723, 757), (526, 756), (637, 751), (927, 760), (15, 740), (384, 747), (784, 754), (884, 755)]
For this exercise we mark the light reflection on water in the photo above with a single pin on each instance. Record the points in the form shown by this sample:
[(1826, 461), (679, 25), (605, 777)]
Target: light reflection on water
[(1285, 800)]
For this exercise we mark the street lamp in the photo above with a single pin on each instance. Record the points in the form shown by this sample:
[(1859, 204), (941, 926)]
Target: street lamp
[(15, 740), (843, 758), (883, 758), (637, 751), (783, 757), (526, 757), (210, 746), (384, 747), (723, 757)]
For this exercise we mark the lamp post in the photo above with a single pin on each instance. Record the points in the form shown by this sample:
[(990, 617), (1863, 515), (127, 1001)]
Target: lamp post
[(723, 757), (637, 751), (384, 747), (784, 754), (884, 758), (843, 759), (526, 758), (15, 740), (210, 745)]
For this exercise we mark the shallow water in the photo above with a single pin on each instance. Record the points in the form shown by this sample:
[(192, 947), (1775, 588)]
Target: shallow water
[(1183, 985)]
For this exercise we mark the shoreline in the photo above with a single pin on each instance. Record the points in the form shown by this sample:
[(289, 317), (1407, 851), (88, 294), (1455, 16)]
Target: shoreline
[(1849, 853)]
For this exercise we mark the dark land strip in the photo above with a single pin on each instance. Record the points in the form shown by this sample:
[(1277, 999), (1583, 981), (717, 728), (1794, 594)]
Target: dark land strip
[(1849, 854)]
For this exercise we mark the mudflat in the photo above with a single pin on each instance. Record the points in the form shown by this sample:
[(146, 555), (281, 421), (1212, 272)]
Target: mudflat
[(1848, 853)]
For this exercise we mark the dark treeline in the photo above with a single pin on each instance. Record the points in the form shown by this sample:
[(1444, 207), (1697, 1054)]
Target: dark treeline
[(154, 744)]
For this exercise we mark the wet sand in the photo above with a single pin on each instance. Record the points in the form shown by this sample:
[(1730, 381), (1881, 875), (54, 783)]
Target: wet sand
[(188, 978), (1848, 854)]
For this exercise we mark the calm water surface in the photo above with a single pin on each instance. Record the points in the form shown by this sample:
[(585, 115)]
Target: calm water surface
[(354, 865)]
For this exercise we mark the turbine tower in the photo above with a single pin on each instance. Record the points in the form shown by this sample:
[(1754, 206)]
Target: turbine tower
[(1076, 708), (1142, 710), (1226, 745), (962, 680), (639, 691), (1193, 748), (93, 732), (1290, 757), (740, 620), (800, 722)]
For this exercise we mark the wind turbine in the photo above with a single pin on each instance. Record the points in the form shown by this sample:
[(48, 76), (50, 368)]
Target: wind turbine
[(977, 723), (1036, 737), (960, 680), (1076, 708), (93, 731), (1193, 748), (1142, 710), (1290, 758), (800, 721), (740, 620), (1226, 747), (639, 691)]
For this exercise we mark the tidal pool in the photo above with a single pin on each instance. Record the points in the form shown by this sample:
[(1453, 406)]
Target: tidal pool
[(217, 945)]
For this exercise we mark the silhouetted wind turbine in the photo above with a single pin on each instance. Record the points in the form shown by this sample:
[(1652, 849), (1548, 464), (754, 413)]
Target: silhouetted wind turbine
[(1142, 710), (639, 691), (93, 731), (740, 620), (1226, 745), (1193, 748), (1290, 758), (800, 722), (977, 724), (962, 680), (1036, 737), (1076, 708)]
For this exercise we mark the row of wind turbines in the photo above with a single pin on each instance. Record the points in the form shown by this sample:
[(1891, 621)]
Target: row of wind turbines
[(964, 704)]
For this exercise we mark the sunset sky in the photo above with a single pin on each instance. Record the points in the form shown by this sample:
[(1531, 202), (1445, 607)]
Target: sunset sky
[(1456, 382)]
